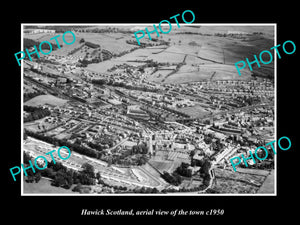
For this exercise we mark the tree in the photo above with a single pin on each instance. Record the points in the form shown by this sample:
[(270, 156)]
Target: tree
[(37, 177), (98, 176), (48, 172), (63, 179), (77, 188), (24, 135), (192, 153), (89, 170), (26, 157), (59, 179)]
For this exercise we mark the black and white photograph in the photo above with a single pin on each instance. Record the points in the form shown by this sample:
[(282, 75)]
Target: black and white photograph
[(140, 116), (140, 113)]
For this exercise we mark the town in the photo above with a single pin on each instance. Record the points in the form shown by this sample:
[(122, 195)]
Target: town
[(140, 119)]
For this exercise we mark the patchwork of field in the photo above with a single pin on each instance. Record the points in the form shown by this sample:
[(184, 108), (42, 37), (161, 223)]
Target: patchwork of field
[(206, 56), (188, 73), (130, 59), (64, 50), (115, 43)]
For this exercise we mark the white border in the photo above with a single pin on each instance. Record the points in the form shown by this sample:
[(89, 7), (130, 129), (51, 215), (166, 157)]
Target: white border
[(147, 24)]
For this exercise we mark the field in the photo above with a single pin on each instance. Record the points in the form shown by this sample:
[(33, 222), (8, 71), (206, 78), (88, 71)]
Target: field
[(268, 185), (213, 71), (227, 181), (159, 75), (194, 111), (139, 54), (207, 55), (44, 187), (46, 99), (163, 165), (114, 43)]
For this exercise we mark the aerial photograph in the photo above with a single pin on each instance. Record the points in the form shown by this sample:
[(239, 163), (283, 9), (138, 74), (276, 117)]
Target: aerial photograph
[(159, 116)]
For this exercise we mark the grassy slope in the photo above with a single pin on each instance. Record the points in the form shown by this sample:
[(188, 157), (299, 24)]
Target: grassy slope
[(44, 187), (43, 99)]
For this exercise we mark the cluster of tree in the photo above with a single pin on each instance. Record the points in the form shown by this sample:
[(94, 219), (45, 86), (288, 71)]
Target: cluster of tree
[(35, 113), (82, 189), (183, 170), (95, 146), (234, 35), (91, 45), (31, 176), (195, 33), (204, 170), (63, 177), (174, 178), (28, 43), (148, 44), (193, 43), (102, 30), (63, 29), (117, 189), (30, 95), (125, 52), (62, 142), (99, 81), (141, 160), (84, 62), (145, 190), (208, 138), (217, 145), (205, 166), (126, 159), (139, 149)]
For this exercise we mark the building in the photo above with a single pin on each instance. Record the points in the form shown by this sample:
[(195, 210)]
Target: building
[(134, 111)]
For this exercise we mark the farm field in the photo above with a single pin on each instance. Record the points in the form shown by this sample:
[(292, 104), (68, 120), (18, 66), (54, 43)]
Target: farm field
[(212, 71), (211, 53), (64, 50), (159, 75), (233, 182), (204, 55), (115, 42), (139, 54)]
